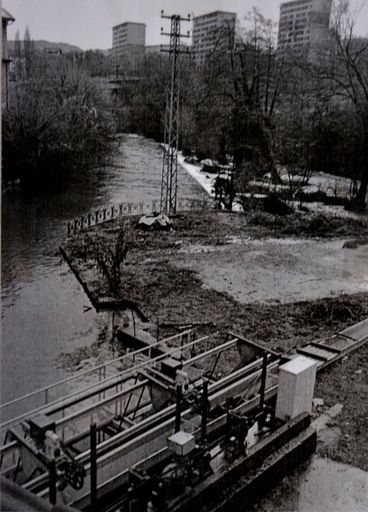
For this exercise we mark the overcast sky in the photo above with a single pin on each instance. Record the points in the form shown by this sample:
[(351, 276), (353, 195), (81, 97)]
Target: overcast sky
[(87, 23)]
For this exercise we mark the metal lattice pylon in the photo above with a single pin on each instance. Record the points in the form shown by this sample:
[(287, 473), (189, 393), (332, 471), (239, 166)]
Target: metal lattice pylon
[(169, 182)]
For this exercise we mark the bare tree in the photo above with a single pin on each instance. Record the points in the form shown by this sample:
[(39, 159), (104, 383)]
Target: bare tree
[(344, 71), (253, 80)]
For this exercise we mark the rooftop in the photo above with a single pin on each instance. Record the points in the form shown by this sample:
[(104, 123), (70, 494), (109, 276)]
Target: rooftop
[(128, 23), (213, 13)]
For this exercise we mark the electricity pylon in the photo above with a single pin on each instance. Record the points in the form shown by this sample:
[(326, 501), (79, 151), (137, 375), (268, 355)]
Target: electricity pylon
[(169, 182)]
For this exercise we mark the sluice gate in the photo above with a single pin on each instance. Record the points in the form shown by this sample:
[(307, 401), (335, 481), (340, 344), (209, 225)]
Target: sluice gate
[(117, 434)]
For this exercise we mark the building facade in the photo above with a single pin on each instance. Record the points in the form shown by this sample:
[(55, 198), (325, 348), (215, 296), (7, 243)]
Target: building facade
[(164, 49), (6, 18), (156, 48), (211, 31), (304, 25), (128, 38)]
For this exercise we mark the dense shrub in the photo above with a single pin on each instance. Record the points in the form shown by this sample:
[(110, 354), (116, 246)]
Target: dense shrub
[(56, 122)]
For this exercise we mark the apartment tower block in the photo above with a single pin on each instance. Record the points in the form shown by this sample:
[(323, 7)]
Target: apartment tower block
[(304, 25), (211, 31), (128, 38)]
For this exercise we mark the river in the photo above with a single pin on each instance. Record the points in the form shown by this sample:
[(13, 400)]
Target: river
[(43, 306)]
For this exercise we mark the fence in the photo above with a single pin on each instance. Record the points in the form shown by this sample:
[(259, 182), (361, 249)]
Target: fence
[(130, 209)]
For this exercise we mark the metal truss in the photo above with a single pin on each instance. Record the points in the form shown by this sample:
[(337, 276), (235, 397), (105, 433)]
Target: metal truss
[(169, 182)]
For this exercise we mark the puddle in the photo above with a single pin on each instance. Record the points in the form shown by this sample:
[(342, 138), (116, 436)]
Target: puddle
[(322, 486)]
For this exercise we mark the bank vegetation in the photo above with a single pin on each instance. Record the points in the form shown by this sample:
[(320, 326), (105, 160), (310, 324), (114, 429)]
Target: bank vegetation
[(260, 109), (57, 121)]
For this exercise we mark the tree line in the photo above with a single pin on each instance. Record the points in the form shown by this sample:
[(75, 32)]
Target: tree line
[(57, 121), (249, 103), (262, 107)]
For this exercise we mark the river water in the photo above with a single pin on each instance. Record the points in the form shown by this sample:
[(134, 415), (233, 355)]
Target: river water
[(42, 303)]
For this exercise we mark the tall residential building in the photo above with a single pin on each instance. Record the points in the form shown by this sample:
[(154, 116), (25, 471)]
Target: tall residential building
[(304, 25), (128, 38), (211, 31), (6, 18)]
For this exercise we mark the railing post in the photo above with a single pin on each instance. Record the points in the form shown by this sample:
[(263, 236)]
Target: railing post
[(204, 411), (52, 482), (263, 380), (179, 393), (63, 427), (181, 349), (93, 467)]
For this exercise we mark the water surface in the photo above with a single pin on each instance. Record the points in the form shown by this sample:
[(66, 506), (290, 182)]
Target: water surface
[(43, 307)]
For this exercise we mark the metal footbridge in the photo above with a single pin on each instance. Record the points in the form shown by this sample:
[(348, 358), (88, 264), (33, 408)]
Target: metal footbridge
[(115, 419)]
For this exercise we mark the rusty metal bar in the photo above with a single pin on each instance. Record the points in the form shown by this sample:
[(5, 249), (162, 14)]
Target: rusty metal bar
[(263, 380)]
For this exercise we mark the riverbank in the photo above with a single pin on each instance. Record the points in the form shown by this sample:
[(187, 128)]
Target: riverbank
[(43, 308)]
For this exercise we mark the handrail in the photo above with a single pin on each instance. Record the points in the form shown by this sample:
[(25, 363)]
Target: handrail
[(91, 370), (10, 422)]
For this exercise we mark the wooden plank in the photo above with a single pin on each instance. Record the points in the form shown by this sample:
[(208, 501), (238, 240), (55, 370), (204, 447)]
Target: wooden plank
[(358, 331), (326, 347), (338, 342)]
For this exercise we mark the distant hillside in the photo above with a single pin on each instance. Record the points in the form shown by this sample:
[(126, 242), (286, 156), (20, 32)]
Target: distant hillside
[(41, 45)]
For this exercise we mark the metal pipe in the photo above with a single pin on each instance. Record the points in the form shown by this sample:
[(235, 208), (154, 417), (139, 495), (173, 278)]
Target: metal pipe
[(93, 469), (179, 394)]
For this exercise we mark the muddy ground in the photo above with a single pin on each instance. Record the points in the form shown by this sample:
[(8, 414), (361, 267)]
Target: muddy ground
[(346, 383), (164, 272)]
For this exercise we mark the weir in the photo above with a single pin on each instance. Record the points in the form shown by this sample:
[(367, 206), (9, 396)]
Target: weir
[(226, 408)]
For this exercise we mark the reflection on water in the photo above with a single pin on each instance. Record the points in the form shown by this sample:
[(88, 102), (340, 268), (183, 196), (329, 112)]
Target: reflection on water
[(42, 304)]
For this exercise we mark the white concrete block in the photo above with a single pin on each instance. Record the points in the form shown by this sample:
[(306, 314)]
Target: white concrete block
[(296, 387), (181, 443)]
